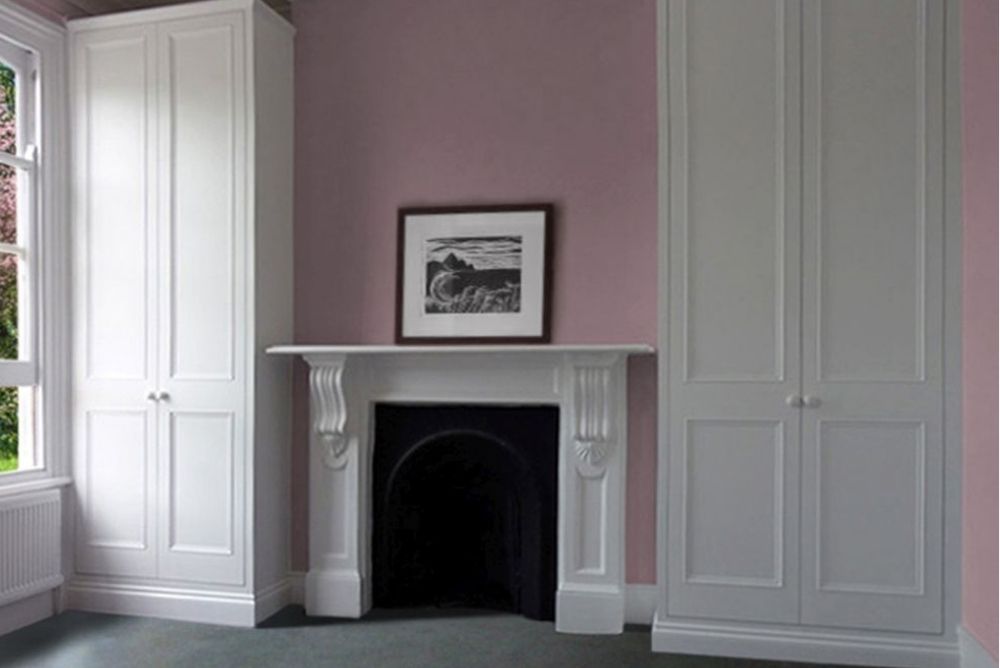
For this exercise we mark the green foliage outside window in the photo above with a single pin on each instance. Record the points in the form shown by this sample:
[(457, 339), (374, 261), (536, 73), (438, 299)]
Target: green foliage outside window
[(8, 273)]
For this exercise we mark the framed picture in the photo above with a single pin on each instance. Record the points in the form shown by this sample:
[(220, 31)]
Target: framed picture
[(474, 274)]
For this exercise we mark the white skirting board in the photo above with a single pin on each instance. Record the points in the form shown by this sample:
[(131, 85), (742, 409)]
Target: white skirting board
[(227, 609), (272, 599), (640, 599), (26, 611), (667, 636), (640, 604), (802, 644), (974, 655)]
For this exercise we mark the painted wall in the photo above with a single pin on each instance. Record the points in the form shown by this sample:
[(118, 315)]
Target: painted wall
[(56, 11), (465, 101), (979, 321)]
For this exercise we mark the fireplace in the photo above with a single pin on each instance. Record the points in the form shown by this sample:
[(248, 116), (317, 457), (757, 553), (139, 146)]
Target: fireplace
[(581, 386), (464, 507)]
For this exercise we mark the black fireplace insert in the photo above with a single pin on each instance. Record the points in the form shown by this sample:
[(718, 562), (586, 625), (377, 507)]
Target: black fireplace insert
[(464, 511)]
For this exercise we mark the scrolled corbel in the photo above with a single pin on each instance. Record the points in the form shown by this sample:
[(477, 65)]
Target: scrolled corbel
[(330, 412)]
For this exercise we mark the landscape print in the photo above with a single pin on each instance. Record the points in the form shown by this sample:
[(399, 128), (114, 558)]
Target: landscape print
[(473, 274)]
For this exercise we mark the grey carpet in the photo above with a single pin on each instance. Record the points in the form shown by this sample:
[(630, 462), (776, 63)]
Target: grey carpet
[(384, 639)]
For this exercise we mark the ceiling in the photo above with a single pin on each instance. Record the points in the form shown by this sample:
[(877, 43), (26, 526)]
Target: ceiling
[(71, 9)]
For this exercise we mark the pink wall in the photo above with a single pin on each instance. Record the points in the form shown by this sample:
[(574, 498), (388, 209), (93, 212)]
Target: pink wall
[(979, 320), (459, 101)]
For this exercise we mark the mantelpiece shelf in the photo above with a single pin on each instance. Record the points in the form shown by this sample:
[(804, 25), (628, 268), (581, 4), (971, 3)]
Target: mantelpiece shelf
[(625, 348)]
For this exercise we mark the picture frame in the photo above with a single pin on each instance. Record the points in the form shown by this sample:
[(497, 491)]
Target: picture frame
[(474, 274)]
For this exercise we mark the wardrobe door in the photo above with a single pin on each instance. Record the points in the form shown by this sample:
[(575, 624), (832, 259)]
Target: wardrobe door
[(734, 278), (114, 331), (872, 326), (203, 248)]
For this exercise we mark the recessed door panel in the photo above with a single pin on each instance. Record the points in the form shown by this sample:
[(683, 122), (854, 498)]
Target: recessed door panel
[(734, 180), (113, 193), (203, 137), (870, 177), (870, 506), (115, 530), (872, 490), (201, 479), (734, 502), (117, 446), (201, 483)]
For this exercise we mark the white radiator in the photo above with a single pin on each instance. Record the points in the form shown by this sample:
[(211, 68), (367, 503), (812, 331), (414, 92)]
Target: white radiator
[(30, 539)]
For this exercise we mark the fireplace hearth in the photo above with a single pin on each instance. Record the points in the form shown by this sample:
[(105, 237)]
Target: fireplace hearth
[(464, 507)]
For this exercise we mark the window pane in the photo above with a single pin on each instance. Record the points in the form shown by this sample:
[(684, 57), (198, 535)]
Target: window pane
[(8, 107), (9, 307), (9, 428), (9, 183), (17, 434)]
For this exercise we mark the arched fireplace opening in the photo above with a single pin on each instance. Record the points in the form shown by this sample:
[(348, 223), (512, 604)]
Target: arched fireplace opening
[(464, 511)]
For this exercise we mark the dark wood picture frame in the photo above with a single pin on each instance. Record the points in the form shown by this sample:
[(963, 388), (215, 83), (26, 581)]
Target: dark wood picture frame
[(547, 209)]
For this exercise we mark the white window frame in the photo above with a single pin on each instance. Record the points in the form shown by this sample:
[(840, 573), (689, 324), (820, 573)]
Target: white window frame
[(22, 373), (45, 342)]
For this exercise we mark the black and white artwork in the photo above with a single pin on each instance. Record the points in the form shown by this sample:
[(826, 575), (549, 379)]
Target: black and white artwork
[(473, 274)]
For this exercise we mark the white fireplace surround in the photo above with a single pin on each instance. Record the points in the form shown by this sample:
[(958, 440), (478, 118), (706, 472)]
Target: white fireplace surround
[(587, 382)]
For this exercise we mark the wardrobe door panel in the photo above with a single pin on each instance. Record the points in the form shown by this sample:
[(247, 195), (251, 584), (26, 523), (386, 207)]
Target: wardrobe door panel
[(114, 328), (870, 172), (113, 194), (734, 277), (203, 184), (734, 502), (872, 325), (869, 505), (202, 485), (115, 531), (203, 248)]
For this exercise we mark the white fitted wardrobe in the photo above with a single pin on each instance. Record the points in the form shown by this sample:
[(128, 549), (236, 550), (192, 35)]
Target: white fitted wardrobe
[(806, 462), (182, 159)]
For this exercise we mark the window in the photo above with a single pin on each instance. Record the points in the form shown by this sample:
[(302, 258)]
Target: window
[(18, 176), (34, 253)]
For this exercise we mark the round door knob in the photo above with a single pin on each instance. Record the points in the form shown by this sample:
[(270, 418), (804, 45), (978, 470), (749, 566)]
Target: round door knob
[(163, 396), (793, 400), (151, 396), (811, 402)]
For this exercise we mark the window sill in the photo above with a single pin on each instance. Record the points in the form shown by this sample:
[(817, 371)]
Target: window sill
[(24, 487)]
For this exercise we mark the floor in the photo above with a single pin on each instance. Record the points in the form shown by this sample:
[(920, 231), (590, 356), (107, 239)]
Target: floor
[(384, 639)]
